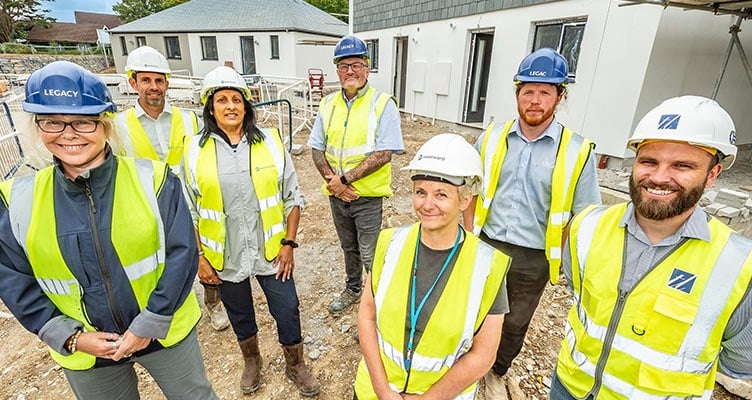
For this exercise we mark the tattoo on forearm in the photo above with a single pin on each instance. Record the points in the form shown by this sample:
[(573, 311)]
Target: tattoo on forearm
[(319, 160), (371, 164)]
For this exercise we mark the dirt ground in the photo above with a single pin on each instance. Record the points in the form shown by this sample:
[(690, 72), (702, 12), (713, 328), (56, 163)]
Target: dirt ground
[(27, 372)]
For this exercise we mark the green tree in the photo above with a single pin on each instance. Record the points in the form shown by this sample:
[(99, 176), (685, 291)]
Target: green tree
[(18, 16), (131, 10), (339, 8)]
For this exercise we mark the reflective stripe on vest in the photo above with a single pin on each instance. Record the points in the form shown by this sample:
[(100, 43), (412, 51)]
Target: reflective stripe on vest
[(143, 148), (655, 343), (350, 137), (468, 296), (138, 246), (267, 175), (571, 156)]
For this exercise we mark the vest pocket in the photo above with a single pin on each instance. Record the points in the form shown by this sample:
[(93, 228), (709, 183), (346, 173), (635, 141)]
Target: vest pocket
[(669, 314), (679, 383)]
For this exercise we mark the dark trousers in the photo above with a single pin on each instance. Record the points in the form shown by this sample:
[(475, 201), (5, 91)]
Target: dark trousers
[(526, 279), (559, 392), (358, 224), (282, 299)]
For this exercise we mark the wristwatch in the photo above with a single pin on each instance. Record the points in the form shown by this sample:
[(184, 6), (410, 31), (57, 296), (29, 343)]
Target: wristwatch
[(290, 243), (343, 179)]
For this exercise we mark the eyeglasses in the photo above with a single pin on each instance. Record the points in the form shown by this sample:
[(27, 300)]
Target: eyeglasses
[(57, 126), (356, 67)]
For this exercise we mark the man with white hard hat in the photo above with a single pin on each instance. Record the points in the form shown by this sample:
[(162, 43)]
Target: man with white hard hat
[(154, 129), (661, 289)]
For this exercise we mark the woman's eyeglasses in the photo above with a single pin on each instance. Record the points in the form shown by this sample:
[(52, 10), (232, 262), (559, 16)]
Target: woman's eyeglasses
[(57, 126)]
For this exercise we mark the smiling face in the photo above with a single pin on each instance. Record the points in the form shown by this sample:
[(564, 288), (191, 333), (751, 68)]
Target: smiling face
[(437, 204), (536, 103), (353, 73), (228, 110), (77, 151), (151, 88), (668, 179)]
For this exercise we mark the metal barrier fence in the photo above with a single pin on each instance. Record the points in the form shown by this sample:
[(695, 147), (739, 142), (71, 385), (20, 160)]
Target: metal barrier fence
[(12, 157)]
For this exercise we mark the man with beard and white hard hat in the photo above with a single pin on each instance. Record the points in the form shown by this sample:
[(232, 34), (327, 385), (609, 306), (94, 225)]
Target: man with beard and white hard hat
[(536, 175), (154, 129), (661, 289)]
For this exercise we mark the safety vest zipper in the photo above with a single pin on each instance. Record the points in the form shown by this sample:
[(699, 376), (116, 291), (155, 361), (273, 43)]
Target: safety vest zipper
[(342, 144), (106, 278), (607, 342)]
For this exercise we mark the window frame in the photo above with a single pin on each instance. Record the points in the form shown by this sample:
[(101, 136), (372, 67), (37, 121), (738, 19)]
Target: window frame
[(205, 47), (373, 53), (274, 47), (169, 54), (140, 41), (567, 25), (124, 46)]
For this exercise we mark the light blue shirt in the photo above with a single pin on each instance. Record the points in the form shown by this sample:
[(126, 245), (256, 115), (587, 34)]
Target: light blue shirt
[(640, 258), (388, 131), (519, 209)]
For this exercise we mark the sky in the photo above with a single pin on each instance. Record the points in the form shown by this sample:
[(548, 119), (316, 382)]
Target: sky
[(63, 9)]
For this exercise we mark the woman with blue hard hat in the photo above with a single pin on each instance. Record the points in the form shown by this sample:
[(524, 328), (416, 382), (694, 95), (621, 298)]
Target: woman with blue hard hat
[(430, 317), (243, 193), (97, 255)]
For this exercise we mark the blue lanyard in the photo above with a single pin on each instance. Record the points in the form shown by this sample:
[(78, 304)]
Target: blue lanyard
[(414, 313)]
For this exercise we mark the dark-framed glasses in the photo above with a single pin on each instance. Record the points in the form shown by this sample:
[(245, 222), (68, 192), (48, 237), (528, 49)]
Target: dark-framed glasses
[(56, 126), (356, 67)]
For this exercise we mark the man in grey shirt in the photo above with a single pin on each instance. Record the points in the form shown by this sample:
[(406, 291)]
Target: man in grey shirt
[(661, 290)]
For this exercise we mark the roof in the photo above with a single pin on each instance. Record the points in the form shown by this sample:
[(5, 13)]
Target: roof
[(64, 32), (742, 8), (238, 16), (108, 20)]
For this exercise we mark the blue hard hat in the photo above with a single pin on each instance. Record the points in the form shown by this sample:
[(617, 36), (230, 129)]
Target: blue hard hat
[(62, 87), (544, 65), (350, 46)]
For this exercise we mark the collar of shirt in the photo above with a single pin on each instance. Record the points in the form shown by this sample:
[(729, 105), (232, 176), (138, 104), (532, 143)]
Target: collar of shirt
[(361, 92), (553, 131), (695, 227), (166, 110)]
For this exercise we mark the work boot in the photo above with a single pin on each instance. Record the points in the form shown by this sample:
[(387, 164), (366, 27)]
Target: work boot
[(251, 378), (345, 299), (297, 371), (496, 388), (215, 309)]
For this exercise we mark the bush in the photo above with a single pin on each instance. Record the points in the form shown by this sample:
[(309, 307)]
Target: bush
[(16, 48)]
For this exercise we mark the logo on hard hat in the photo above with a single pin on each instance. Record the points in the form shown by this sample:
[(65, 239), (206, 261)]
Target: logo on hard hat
[(669, 121), (537, 73), (347, 46), (60, 93), (732, 137), (421, 156)]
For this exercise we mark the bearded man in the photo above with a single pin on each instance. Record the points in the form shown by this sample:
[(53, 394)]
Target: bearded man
[(661, 289), (537, 173)]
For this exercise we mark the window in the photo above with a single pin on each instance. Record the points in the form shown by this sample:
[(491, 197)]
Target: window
[(275, 46), (563, 36), (172, 43), (209, 48), (140, 41), (373, 53), (123, 46)]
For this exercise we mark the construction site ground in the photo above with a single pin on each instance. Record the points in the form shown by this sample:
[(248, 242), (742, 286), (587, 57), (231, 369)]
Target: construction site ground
[(27, 372)]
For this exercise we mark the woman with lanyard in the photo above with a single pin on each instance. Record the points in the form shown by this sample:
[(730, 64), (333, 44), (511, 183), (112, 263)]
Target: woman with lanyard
[(244, 197), (96, 251), (443, 282)]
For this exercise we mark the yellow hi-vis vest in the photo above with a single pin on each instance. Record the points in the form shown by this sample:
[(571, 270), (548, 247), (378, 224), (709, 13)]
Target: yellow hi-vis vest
[(267, 174), (574, 151), (470, 292), (139, 245), (143, 148), (350, 136), (661, 340)]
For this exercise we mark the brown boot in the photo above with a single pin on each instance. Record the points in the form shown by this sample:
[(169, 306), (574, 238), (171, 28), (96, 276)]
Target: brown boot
[(252, 368), (297, 371)]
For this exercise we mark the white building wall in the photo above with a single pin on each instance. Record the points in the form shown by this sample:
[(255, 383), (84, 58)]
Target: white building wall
[(620, 75), (315, 55)]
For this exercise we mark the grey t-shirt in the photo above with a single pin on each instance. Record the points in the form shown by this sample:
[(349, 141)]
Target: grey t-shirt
[(429, 264)]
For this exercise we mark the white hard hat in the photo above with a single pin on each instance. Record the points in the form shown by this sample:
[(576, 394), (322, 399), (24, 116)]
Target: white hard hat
[(696, 120), (451, 158), (223, 77), (146, 59)]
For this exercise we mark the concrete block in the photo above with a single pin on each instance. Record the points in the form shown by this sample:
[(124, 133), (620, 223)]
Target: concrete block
[(731, 198), (739, 387), (748, 204), (708, 197), (713, 208), (745, 213), (623, 187), (729, 212), (297, 149)]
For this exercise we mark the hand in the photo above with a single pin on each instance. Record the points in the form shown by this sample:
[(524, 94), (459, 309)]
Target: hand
[(206, 273), (98, 344), (334, 184), (348, 195), (284, 262), (129, 344)]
